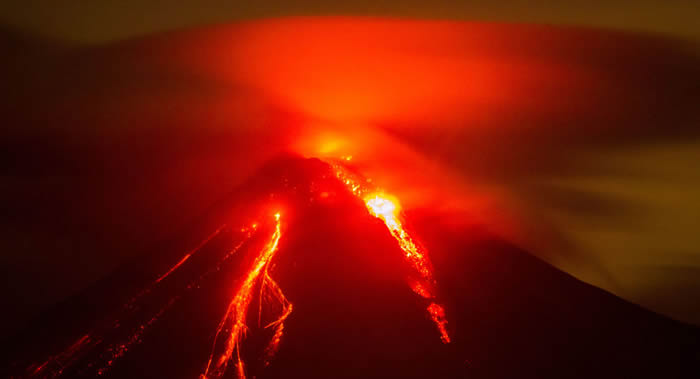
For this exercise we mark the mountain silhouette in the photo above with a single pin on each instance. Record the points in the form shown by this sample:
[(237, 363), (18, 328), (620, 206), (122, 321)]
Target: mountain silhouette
[(508, 313)]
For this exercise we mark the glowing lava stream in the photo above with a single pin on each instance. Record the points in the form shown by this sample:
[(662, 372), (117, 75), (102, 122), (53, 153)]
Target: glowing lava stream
[(237, 311), (189, 254), (55, 365), (387, 209)]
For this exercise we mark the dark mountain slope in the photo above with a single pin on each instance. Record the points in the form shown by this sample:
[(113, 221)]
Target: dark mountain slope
[(509, 314)]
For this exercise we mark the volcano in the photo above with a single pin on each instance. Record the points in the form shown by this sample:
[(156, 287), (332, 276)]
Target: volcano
[(334, 295)]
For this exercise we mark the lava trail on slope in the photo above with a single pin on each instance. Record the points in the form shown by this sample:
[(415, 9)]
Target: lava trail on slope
[(300, 274)]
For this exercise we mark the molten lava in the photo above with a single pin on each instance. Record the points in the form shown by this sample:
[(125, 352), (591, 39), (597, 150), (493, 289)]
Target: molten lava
[(189, 254), (388, 209), (97, 352), (59, 364), (237, 312)]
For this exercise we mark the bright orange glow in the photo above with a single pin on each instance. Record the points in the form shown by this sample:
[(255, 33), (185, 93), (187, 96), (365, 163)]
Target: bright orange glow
[(237, 312), (437, 313), (388, 209), (381, 206), (421, 290), (279, 323)]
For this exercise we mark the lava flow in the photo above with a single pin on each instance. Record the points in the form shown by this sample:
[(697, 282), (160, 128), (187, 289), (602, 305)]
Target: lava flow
[(99, 351), (189, 254), (237, 311), (58, 364), (387, 208)]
